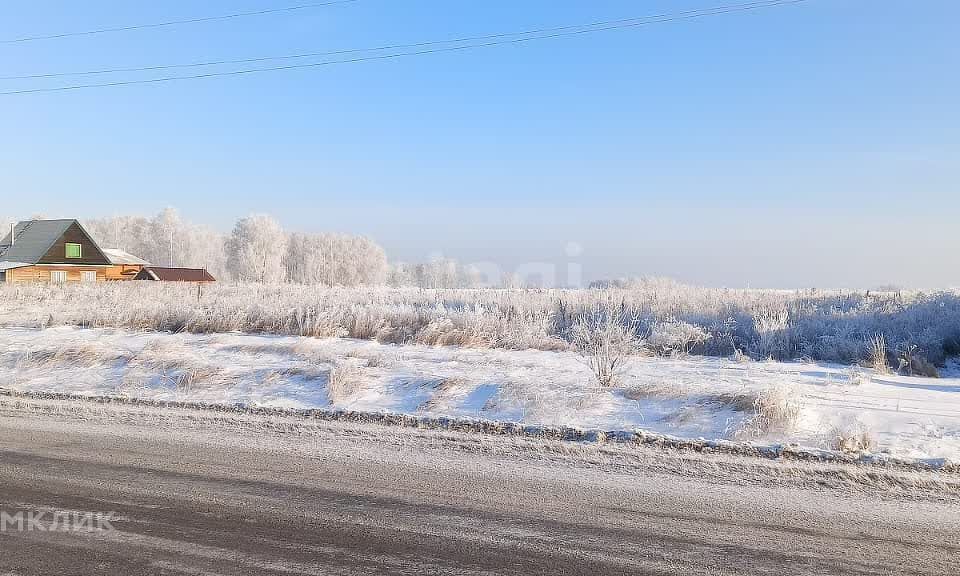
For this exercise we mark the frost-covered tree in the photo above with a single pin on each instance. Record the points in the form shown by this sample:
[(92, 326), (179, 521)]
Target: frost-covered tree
[(166, 230), (255, 250), (437, 273), (334, 260), (129, 233), (164, 240), (372, 261), (206, 249), (402, 274)]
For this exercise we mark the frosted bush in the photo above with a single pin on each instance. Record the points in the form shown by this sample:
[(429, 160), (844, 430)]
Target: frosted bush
[(675, 337), (774, 333), (918, 329), (606, 339)]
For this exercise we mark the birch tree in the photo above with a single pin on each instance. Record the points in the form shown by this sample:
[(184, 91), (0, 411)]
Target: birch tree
[(255, 250), (164, 240), (335, 260)]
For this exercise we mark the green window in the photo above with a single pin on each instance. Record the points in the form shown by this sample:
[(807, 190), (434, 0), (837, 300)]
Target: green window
[(74, 250)]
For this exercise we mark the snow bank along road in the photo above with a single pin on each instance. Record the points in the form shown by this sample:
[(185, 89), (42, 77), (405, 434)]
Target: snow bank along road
[(195, 492), (695, 397)]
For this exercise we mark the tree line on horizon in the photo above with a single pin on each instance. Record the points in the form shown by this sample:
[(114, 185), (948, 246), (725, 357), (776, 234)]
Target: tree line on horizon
[(258, 249)]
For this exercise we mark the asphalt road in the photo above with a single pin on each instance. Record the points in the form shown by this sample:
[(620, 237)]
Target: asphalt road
[(201, 498)]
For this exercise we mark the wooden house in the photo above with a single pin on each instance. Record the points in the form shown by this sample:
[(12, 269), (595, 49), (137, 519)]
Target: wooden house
[(60, 251)]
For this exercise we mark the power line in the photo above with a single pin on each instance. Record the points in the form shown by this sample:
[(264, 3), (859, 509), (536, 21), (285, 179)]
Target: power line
[(176, 22), (689, 13), (566, 32)]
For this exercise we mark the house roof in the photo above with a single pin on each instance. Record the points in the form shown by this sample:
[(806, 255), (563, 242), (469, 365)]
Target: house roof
[(4, 265), (118, 257), (33, 239), (175, 274)]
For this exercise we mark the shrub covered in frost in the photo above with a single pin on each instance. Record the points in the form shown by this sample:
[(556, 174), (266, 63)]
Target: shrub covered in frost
[(918, 330), (675, 337)]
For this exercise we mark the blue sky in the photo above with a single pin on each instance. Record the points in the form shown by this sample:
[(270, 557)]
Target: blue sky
[(807, 145)]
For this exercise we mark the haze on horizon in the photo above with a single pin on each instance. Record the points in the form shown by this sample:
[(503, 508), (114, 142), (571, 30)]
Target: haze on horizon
[(806, 145)]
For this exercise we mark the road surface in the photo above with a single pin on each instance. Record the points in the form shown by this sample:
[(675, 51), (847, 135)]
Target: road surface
[(197, 495)]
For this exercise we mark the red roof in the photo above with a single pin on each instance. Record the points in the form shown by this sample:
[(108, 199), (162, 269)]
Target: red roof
[(175, 274)]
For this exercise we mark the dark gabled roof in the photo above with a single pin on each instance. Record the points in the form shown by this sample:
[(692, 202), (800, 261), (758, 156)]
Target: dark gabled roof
[(175, 274), (33, 239)]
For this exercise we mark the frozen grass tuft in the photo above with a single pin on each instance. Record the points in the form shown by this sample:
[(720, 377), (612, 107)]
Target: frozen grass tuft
[(852, 437), (191, 379), (857, 377), (776, 410), (343, 381), (878, 354), (82, 355), (444, 388)]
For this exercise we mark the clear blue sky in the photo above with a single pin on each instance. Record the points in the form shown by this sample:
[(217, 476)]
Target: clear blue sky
[(808, 145)]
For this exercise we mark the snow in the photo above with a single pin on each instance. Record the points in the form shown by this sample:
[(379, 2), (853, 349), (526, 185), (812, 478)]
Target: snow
[(907, 416)]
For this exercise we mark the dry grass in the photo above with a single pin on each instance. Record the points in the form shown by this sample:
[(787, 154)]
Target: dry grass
[(822, 325), (374, 358), (176, 365), (852, 438), (774, 411), (639, 392), (202, 376), (444, 388), (344, 380), (81, 355), (878, 354), (858, 377)]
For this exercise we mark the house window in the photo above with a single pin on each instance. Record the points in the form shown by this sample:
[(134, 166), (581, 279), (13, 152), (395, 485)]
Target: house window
[(74, 250), (58, 276), (88, 276)]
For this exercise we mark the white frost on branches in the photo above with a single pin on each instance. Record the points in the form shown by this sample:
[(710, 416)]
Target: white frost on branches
[(164, 240), (334, 260), (255, 250)]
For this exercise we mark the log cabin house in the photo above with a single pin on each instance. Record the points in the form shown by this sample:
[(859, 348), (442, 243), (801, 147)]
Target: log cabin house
[(61, 251)]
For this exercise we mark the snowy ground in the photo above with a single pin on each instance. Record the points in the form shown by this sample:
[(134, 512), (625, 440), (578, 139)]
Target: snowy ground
[(695, 397)]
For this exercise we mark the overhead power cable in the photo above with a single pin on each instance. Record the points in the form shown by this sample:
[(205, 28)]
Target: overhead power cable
[(176, 22), (497, 40), (624, 21)]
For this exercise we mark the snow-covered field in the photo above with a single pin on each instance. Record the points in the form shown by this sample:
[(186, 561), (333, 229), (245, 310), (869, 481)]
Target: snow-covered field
[(693, 397)]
